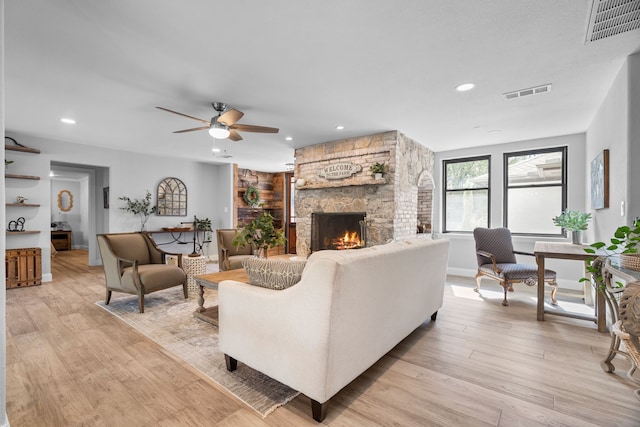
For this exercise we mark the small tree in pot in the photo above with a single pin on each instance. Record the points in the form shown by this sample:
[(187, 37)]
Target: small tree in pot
[(142, 208), (574, 221), (260, 234)]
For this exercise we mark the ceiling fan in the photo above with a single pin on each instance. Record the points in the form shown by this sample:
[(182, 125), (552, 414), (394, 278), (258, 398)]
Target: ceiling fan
[(224, 124)]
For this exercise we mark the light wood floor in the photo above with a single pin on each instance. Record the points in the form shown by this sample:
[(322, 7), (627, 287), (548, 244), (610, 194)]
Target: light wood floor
[(480, 364)]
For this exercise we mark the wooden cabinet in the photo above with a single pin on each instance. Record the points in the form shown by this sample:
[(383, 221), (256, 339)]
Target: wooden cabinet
[(61, 240), (23, 267)]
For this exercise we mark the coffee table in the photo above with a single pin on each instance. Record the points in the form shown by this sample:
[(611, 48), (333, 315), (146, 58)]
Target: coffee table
[(211, 281)]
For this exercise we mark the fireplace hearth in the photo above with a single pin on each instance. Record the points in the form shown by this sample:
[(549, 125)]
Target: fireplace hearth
[(338, 230)]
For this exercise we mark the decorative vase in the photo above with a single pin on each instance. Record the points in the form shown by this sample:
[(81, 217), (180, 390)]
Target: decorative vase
[(378, 175), (260, 252), (576, 237)]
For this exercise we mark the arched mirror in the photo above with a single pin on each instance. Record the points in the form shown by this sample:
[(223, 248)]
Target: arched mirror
[(65, 200), (172, 197)]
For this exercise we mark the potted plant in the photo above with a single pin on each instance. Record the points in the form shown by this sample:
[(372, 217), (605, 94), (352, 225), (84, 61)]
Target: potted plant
[(142, 208), (260, 234), (624, 243), (377, 170), (204, 225), (574, 221)]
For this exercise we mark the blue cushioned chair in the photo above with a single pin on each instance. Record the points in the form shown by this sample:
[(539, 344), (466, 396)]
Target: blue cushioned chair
[(497, 260)]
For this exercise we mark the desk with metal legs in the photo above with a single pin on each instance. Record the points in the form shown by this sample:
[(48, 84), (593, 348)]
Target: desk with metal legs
[(543, 250)]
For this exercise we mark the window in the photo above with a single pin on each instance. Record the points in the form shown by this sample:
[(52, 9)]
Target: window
[(466, 194), (535, 190)]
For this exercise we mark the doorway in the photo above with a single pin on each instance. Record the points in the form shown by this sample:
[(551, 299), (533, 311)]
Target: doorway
[(87, 214)]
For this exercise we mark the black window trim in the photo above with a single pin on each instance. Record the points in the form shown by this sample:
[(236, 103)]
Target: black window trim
[(506, 187), (486, 157)]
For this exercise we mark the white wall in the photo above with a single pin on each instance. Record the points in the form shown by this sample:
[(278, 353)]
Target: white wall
[(130, 174), (616, 127), (3, 297), (462, 259)]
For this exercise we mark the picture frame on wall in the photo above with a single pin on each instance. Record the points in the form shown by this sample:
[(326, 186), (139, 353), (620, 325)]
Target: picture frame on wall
[(600, 181), (105, 197)]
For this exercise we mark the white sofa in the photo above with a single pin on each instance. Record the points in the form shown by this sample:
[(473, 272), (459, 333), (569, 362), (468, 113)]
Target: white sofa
[(347, 311)]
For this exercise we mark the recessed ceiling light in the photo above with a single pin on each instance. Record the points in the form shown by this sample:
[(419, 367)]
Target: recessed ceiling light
[(339, 127), (289, 138), (465, 87), (68, 121), (215, 150), (495, 131)]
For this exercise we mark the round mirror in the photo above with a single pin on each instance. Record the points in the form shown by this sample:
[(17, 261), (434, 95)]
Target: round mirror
[(65, 200)]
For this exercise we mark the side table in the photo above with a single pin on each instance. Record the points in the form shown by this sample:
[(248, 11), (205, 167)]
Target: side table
[(194, 266)]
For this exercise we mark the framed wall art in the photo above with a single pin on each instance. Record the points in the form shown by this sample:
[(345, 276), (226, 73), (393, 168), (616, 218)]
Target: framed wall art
[(105, 197), (600, 181)]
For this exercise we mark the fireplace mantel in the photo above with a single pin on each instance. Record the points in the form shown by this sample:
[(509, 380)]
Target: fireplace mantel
[(337, 184)]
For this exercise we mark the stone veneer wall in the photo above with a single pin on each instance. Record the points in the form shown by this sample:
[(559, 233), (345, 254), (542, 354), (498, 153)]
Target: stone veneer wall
[(391, 204)]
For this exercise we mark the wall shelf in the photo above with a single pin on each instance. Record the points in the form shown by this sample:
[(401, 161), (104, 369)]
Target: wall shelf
[(22, 149), (9, 175), (345, 183), (28, 205), (24, 232)]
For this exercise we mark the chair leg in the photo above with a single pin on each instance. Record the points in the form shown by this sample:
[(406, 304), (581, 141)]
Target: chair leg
[(141, 302), (554, 289), (185, 290), (606, 364), (107, 299), (506, 286), (478, 279)]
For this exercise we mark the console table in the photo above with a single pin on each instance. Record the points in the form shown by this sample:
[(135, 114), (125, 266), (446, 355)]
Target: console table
[(624, 303), (543, 250), (61, 240)]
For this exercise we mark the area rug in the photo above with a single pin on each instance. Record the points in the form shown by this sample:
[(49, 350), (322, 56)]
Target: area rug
[(168, 320)]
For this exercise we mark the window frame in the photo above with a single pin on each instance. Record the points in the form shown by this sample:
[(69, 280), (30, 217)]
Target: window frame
[(505, 181), (445, 190)]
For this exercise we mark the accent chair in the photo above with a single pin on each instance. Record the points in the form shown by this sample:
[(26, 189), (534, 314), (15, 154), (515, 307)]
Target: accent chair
[(230, 257), (134, 264), (497, 260)]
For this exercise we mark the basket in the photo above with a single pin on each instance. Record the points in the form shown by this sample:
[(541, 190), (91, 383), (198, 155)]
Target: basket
[(630, 261)]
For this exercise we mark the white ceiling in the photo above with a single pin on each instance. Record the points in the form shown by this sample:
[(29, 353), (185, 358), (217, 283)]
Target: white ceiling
[(302, 66)]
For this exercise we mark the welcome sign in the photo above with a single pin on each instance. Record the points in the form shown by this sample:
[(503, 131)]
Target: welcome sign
[(339, 170)]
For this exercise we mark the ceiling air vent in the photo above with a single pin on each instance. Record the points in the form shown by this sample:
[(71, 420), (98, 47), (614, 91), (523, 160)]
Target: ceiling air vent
[(611, 17), (526, 92)]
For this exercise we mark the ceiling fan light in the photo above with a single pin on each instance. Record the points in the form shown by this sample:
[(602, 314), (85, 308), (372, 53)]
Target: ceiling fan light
[(219, 131)]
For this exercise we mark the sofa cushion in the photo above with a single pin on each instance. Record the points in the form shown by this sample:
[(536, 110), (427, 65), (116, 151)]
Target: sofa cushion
[(273, 273)]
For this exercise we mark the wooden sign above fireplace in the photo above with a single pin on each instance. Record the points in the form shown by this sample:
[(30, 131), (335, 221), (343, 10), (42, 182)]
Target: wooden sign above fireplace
[(339, 170)]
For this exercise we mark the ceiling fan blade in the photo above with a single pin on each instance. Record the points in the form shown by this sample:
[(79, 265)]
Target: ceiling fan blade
[(184, 115), (191, 130), (234, 136), (230, 117), (253, 128)]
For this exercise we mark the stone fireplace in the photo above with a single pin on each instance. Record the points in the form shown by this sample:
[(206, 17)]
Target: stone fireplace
[(337, 230), (334, 177)]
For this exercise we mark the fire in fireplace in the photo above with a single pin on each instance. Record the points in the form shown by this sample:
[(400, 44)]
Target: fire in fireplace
[(337, 230)]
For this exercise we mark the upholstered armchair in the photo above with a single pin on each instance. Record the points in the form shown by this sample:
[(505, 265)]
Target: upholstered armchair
[(230, 257), (497, 260), (133, 264)]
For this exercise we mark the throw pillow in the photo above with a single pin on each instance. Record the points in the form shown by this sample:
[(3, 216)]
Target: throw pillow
[(273, 273)]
